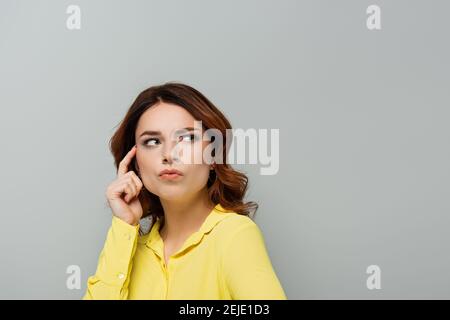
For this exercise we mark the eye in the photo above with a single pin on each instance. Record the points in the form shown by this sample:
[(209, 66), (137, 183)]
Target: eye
[(190, 137), (152, 140)]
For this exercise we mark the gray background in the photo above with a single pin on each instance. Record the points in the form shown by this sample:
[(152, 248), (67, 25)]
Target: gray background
[(363, 118)]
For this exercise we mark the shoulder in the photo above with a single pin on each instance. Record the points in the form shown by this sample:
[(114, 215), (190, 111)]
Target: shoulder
[(234, 222), (236, 229)]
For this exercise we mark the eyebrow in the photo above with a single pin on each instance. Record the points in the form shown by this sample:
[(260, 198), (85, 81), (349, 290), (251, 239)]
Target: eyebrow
[(158, 133)]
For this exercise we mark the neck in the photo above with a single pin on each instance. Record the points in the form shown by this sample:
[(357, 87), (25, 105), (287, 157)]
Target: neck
[(183, 217)]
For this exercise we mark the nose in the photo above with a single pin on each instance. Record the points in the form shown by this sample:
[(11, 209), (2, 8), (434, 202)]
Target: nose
[(169, 152)]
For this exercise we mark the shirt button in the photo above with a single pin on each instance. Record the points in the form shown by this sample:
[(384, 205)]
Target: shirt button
[(120, 276)]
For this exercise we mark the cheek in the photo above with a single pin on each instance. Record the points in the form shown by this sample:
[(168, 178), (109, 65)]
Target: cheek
[(146, 164), (202, 172), (196, 176), (146, 160)]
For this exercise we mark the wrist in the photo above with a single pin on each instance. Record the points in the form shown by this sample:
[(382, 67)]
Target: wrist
[(131, 221)]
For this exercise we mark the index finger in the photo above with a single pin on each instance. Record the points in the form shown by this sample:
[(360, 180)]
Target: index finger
[(123, 166)]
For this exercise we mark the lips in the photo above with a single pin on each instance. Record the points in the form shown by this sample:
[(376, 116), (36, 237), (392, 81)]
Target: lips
[(170, 174)]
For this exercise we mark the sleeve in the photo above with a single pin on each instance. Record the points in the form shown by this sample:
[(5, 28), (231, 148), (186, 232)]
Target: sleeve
[(111, 278), (247, 269)]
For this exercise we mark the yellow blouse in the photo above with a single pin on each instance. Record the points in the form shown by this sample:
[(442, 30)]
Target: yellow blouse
[(225, 259)]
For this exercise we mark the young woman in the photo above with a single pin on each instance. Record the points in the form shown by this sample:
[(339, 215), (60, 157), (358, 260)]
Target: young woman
[(202, 243)]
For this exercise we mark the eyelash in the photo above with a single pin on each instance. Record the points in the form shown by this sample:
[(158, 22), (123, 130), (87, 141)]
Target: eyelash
[(192, 136)]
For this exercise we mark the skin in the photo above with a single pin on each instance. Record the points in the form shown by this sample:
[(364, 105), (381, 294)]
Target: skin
[(185, 200)]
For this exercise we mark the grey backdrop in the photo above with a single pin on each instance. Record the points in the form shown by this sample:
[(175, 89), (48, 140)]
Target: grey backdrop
[(363, 118)]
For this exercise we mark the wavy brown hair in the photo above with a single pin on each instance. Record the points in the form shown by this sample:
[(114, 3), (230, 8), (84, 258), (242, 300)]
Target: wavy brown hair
[(226, 186)]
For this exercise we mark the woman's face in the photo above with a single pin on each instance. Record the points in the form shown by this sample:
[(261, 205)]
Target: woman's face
[(155, 152)]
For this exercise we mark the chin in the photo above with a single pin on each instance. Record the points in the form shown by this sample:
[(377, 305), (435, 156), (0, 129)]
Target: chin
[(172, 194)]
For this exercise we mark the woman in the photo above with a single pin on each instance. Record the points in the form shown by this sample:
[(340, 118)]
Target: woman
[(202, 244)]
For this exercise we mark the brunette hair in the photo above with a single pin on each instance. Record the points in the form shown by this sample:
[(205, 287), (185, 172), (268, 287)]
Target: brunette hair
[(226, 186)]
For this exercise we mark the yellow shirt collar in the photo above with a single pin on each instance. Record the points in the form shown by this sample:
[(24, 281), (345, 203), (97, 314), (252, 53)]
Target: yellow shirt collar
[(155, 242)]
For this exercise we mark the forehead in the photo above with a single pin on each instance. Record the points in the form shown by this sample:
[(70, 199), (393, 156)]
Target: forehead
[(164, 117)]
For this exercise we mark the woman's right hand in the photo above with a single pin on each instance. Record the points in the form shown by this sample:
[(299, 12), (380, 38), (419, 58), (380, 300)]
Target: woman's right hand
[(122, 193)]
